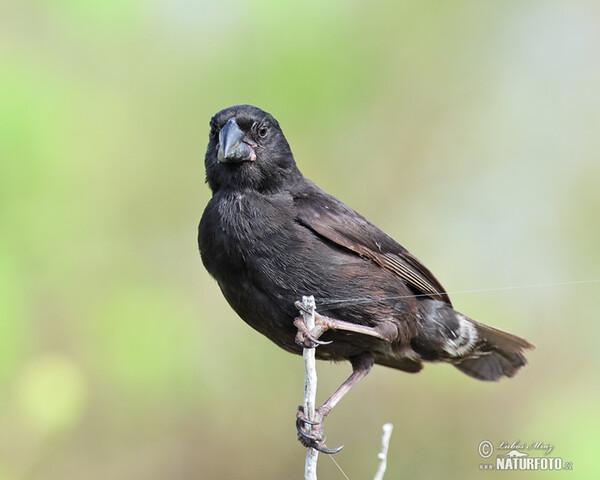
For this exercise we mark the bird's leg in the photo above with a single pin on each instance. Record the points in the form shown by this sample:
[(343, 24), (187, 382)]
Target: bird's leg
[(310, 338), (310, 433)]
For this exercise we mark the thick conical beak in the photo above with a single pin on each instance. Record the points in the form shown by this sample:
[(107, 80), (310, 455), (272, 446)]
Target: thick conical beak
[(232, 146)]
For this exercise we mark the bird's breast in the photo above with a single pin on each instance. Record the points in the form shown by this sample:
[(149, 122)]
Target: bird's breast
[(238, 228)]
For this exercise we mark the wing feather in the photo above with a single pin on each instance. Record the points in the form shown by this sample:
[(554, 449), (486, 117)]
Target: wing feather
[(328, 217)]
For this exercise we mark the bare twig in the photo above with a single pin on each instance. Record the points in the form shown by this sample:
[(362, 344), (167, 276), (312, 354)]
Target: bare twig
[(310, 385), (385, 443), (307, 310)]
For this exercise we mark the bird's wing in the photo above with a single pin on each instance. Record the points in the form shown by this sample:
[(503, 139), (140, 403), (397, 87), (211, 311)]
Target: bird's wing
[(328, 217)]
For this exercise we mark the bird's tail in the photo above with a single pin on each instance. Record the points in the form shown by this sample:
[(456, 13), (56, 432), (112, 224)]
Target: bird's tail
[(480, 351), (496, 354)]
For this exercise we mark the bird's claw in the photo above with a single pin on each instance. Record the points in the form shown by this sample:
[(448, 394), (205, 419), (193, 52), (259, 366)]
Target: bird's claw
[(302, 433), (310, 338), (318, 342), (313, 438), (329, 451), (300, 306), (306, 420)]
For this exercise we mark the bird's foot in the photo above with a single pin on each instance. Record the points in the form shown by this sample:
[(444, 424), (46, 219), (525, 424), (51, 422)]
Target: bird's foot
[(309, 338), (310, 432)]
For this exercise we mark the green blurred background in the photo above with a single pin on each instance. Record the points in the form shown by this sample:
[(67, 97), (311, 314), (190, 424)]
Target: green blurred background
[(467, 130)]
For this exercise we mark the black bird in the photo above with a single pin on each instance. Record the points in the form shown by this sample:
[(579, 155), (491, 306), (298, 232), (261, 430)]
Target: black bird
[(270, 236)]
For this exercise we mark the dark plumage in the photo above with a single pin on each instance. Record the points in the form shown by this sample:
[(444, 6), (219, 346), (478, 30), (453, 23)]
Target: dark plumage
[(269, 236)]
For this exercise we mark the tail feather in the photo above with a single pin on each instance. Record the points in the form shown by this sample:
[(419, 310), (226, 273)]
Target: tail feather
[(478, 350), (496, 354)]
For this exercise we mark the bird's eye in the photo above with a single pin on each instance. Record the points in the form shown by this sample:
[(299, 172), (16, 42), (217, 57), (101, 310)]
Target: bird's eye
[(262, 131)]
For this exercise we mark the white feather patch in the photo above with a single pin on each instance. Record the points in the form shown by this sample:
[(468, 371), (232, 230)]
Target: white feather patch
[(464, 341)]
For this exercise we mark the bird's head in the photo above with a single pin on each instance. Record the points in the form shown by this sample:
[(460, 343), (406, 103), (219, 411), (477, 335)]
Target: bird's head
[(247, 150)]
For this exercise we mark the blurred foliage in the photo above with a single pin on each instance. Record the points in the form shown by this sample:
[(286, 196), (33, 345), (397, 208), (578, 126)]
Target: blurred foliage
[(467, 130)]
